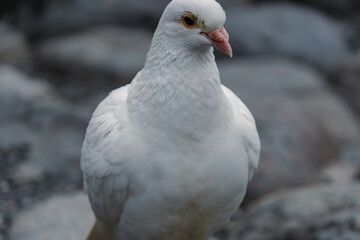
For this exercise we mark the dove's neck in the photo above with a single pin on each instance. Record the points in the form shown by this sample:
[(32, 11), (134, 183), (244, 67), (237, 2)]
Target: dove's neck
[(178, 94)]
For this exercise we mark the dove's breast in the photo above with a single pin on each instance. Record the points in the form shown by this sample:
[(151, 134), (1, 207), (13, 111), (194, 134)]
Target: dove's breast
[(190, 194)]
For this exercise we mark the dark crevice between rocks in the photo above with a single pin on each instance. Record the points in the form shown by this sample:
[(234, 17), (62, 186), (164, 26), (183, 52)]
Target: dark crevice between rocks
[(9, 158), (348, 87)]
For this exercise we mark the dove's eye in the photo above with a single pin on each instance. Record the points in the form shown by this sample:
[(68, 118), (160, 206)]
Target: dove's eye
[(189, 20)]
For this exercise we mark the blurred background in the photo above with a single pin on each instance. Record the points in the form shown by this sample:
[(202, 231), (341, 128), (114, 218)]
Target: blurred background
[(296, 66)]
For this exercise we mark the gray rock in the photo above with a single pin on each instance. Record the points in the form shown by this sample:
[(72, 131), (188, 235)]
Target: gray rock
[(303, 125), (290, 30), (336, 7), (58, 218), (13, 46), (106, 51), (328, 110), (62, 16), (351, 154), (32, 114), (347, 168), (19, 93), (341, 173), (328, 212)]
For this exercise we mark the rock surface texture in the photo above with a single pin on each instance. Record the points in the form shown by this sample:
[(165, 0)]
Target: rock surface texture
[(335, 7), (329, 212), (13, 46), (107, 54), (71, 218), (34, 115), (288, 30), (57, 17)]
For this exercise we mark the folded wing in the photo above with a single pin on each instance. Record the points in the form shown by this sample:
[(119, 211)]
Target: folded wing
[(247, 130), (102, 161)]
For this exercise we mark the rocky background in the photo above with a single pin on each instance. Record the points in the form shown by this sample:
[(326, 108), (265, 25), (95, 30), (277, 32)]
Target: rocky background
[(296, 65)]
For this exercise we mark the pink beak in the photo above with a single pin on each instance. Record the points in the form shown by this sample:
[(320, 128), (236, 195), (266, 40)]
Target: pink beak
[(220, 39)]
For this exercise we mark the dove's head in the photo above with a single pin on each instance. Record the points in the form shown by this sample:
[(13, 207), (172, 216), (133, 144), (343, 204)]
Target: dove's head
[(196, 24)]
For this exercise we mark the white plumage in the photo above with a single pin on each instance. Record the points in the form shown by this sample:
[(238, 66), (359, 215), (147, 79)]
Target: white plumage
[(169, 156)]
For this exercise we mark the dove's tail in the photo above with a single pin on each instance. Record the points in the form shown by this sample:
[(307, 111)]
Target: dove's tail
[(97, 233)]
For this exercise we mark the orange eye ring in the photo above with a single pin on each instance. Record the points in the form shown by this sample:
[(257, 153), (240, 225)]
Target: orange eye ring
[(189, 20)]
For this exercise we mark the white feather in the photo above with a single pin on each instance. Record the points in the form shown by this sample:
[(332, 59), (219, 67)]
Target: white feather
[(170, 155)]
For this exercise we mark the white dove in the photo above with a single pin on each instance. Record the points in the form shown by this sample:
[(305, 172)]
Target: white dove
[(169, 156)]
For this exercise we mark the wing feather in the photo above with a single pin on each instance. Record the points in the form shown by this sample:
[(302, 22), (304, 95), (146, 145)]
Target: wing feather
[(248, 131), (102, 164)]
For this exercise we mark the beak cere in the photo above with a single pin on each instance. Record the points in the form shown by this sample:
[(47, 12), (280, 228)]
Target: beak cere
[(220, 40)]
